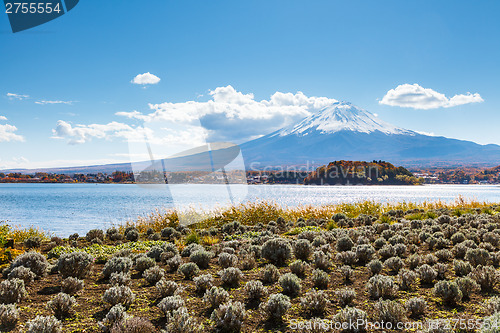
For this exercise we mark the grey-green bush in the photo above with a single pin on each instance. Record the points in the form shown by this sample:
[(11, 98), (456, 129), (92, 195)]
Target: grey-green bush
[(352, 319), (394, 264), (189, 270), (120, 279), (364, 253), (230, 276), (62, 305), (346, 272), (389, 312), (478, 257), (467, 286), (119, 295), (320, 279), (314, 302), (203, 282), (344, 243), (322, 260), (426, 273), (270, 274), (486, 276), (290, 284), (201, 258), (448, 291), (276, 306), (143, 262), (299, 267), (462, 268), (9, 315), (228, 317), (215, 296), (71, 285), (75, 264), (95, 234), (166, 288), (416, 306), (153, 275), (115, 315), (407, 279), (35, 261), (375, 266), (302, 249), (179, 321), (43, 324), (381, 286), (345, 296), (12, 291), (170, 303), (277, 251), (254, 290), (22, 273), (117, 265), (347, 257), (226, 260)]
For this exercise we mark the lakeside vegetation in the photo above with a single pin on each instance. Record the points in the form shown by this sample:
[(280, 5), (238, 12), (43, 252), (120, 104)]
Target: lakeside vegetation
[(258, 267), (337, 172)]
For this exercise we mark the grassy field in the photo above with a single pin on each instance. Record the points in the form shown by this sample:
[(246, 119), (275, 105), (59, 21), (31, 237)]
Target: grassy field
[(261, 268)]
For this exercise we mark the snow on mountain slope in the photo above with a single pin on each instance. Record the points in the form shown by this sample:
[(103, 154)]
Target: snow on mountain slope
[(344, 131), (340, 117)]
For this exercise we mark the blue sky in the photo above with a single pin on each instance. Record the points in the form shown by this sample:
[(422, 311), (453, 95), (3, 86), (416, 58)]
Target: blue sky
[(354, 51)]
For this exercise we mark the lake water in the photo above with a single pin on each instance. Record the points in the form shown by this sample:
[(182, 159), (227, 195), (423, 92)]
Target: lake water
[(67, 208)]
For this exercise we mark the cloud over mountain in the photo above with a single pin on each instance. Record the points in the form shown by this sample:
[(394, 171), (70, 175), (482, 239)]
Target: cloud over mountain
[(233, 115), (417, 97)]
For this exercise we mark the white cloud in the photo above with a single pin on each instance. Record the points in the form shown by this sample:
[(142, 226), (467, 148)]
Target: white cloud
[(85, 133), (44, 102), (14, 163), (417, 97), (7, 133), (233, 115), (146, 78), (19, 97), (3, 118)]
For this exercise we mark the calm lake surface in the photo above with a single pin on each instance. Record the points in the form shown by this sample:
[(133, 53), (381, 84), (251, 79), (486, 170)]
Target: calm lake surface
[(68, 208)]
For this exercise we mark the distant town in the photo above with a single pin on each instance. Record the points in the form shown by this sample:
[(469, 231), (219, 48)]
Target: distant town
[(461, 175)]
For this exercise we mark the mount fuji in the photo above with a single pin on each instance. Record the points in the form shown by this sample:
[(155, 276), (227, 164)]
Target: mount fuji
[(343, 131)]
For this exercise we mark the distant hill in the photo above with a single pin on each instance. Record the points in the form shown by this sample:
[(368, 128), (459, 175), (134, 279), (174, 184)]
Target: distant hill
[(356, 172), (343, 131)]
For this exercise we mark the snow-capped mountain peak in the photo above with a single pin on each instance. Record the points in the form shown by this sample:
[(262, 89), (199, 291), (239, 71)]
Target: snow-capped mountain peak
[(342, 116)]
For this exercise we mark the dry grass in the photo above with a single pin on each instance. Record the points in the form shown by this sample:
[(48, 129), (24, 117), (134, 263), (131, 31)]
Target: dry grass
[(265, 211), (19, 234)]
